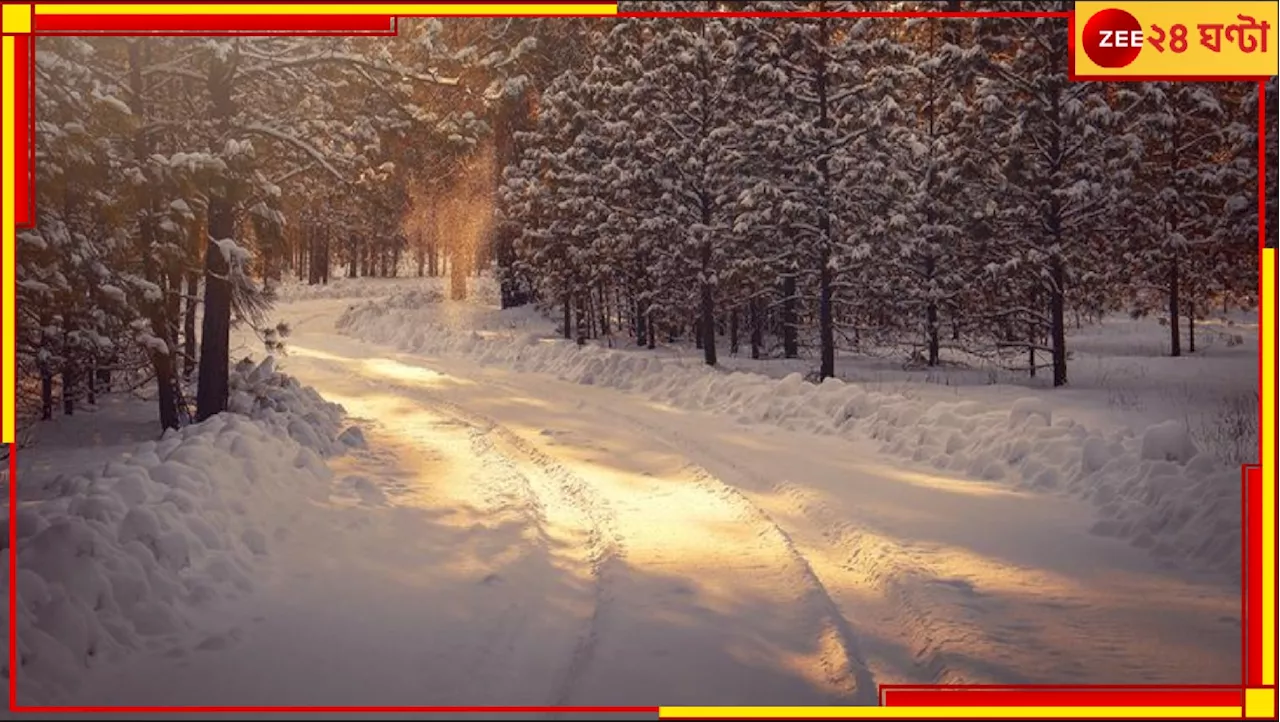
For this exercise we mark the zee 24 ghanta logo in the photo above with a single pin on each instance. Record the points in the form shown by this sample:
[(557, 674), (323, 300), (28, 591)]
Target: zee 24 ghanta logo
[(1114, 38)]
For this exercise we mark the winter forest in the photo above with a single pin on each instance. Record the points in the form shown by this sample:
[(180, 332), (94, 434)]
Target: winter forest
[(754, 185), (590, 361)]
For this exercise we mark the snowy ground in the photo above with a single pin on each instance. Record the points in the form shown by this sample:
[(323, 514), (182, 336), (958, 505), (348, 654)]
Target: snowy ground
[(523, 522)]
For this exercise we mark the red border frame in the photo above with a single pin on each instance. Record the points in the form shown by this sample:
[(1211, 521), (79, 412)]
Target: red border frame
[(897, 695)]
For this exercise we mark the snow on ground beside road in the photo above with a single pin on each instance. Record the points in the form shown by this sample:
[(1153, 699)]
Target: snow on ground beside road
[(1163, 487), (124, 544)]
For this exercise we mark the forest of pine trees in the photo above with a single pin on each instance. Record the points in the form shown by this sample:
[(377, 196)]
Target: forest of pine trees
[(779, 187), (805, 185)]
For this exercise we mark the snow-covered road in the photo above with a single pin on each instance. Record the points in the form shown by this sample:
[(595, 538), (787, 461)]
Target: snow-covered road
[(511, 539)]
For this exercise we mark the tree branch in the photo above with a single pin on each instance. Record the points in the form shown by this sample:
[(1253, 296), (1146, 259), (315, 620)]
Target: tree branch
[(298, 143)]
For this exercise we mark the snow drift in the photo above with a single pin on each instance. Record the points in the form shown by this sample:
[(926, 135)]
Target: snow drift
[(124, 556), (1153, 488)]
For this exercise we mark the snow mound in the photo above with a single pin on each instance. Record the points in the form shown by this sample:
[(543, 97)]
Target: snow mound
[(1168, 441), (278, 400), (1144, 488), (1030, 408), (123, 557)]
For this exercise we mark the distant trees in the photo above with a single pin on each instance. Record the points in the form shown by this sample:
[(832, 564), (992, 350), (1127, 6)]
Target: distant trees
[(836, 183)]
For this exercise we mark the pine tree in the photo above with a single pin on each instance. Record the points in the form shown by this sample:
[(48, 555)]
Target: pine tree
[(1054, 158), (1182, 185)]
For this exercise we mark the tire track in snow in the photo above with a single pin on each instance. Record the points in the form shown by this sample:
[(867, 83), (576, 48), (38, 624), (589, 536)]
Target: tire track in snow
[(559, 502), (843, 661), (928, 637), (697, 640), (850, 662), (552, 480)]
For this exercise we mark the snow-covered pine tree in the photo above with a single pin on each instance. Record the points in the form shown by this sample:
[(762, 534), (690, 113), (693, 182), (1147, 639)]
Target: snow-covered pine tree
[(925, 270), (770, 259), (694, 127), (1187, 174), (836, 81), (1058, 167), (548, 245)]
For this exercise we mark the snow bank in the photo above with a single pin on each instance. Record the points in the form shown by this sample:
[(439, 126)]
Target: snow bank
[(1152, 489), (125, 556), (279, 401)]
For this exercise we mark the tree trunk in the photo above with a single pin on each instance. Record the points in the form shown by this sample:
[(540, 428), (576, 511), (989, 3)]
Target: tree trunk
[(642, 329), (1057, 320), (1191, 325), (733, 332), (603, 311), (583, 317), (324, 256), (653, 332), (931, 322), (46, 393), (191, 345), (826, 326), (1032, 338), (68, 388), (212, 390), (826, 323), (568, 315), (161, 361), (708, 320), (757, 330), (1175, 321), (303, 255), (790, 320), (354, 270)]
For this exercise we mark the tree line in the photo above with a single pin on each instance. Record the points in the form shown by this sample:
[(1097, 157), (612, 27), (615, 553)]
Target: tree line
[(929, 184), (767, 186), (179, 179)]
